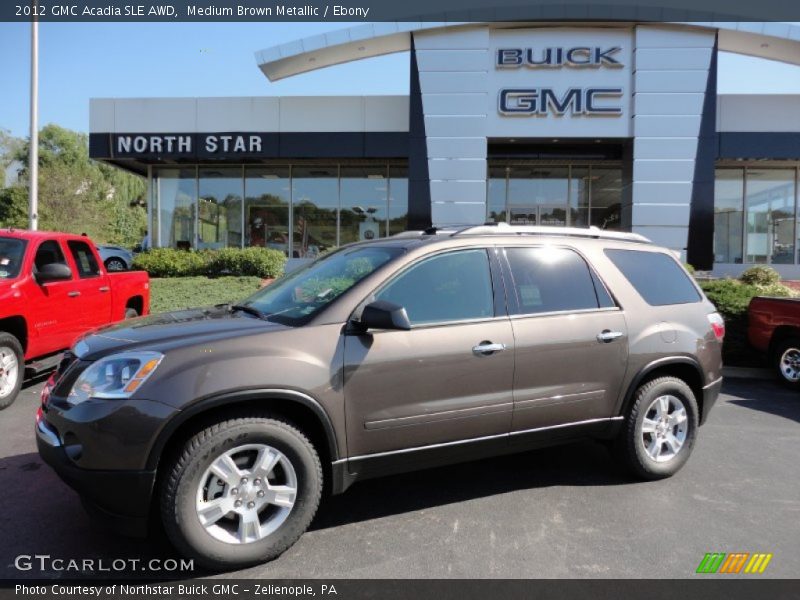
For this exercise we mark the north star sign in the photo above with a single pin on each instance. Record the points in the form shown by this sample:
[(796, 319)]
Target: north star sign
[(541, 101), (144, 144)]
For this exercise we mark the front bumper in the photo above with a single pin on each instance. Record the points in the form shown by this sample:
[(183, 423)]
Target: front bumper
[(121, 499), (710, 395)]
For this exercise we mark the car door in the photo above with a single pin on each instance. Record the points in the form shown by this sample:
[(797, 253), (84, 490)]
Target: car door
[(438, 382), (571, 339), (92, 286), (54, 306)]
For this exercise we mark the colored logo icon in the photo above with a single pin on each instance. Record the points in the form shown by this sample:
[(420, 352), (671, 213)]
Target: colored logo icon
[(734, 563)]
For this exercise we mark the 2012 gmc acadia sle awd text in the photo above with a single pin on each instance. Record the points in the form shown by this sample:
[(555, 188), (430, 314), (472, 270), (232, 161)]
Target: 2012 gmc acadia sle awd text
[(386, 356)]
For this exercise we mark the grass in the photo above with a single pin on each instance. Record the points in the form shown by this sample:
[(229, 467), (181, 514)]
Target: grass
[(188, 292)]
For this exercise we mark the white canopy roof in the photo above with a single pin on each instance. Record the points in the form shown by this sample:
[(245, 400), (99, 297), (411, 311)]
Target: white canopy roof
[(776, 41)]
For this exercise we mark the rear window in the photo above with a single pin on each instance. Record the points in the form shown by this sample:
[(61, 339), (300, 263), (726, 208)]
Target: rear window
[(657, 277)]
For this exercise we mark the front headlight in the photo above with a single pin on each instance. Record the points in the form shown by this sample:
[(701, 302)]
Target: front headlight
[(116, 376)]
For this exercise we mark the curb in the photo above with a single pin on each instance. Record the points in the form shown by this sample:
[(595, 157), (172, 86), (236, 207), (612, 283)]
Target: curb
[(747, 373)]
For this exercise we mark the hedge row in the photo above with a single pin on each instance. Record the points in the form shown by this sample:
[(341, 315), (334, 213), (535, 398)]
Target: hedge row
[(168, 262)]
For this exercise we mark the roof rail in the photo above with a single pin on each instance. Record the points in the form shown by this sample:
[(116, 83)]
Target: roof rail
[(587, 232)]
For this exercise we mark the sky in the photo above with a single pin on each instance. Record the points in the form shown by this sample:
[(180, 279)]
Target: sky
[(78, 61)]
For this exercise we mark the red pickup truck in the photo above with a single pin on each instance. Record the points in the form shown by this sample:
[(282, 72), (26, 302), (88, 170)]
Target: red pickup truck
[(54, 288), (773, 328)]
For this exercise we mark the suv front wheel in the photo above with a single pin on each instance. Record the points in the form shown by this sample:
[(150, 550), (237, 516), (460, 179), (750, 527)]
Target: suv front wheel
[(241, 492), (660, 429)]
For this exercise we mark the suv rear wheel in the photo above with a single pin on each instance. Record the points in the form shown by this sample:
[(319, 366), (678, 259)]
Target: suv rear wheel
[(241, 492), (660, 429)]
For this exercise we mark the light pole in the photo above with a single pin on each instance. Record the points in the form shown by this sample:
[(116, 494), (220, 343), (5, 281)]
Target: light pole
[(33, 159)]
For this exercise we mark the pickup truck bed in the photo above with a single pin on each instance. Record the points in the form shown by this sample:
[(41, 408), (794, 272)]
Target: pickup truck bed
[(773, 328)]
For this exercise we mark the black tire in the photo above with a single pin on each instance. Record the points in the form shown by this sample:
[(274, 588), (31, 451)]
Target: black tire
[(131, 313), (630, 446), (184, 475), (10, 345), (785, 355), (115, 265)]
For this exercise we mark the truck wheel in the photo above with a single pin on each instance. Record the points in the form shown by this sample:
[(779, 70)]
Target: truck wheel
[(12, 369), (660, 429), (787, 362), (241, 492), (116, 264), (131, 313)]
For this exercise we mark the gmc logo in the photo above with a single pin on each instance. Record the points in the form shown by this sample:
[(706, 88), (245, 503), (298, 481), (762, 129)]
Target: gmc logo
[(527, 102), (550, 58)]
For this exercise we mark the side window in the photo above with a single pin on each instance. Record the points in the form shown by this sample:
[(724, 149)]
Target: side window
[(450, 287), (84, 259), (48, 253), (656, 276), (548, 279)]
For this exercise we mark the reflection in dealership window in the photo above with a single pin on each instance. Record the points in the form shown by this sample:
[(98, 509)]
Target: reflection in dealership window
[(266, 205), (177, 190), (728, 215), (315, 195), (363, 204), (770, 216), (398, 199), (220, 208)]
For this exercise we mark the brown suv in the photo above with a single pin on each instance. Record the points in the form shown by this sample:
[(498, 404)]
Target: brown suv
[(398, 354)]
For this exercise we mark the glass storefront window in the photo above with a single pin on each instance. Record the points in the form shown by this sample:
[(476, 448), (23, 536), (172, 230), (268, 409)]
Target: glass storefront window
[(728, 215), (398, 199), (266, 207), (219, 218), (770, 218), (315, 198), (177, 189), (606, 197), (364, 203), (496, 195), (536, 194)]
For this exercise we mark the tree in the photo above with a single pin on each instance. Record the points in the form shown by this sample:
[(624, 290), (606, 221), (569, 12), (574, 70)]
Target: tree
[(77, 194)]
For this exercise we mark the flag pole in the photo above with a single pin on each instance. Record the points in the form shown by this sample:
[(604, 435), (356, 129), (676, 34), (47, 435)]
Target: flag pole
[(33, 161)]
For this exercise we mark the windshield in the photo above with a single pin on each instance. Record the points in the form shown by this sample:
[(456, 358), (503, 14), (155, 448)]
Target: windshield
[(12, 250), (298, 296)]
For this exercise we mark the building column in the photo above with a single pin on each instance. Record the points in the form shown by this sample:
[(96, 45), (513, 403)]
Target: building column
[(672, 72), (453, 74)]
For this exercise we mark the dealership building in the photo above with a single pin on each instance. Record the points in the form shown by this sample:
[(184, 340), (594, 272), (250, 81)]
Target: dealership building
[(613, 125)]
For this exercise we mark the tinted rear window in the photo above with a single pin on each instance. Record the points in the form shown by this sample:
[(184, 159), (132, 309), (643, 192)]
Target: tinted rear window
[(657, 277)]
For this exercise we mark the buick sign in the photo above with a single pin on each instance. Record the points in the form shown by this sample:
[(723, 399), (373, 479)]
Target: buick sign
[(553, 58)]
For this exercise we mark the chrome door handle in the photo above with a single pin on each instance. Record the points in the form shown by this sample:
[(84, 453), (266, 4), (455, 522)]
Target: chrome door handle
[(487, 349), (105, 288), (607, 336), (73, 294)]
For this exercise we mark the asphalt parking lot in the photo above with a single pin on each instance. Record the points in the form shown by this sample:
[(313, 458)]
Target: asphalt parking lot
[(555, 513)]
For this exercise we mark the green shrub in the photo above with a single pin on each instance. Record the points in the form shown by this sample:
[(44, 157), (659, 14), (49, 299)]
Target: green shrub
[(168, 262), (258, 262), (760, 275), (689, 268), (731, 297)]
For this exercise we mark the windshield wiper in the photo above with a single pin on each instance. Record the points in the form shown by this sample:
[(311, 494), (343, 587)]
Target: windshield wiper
[(249, 310)]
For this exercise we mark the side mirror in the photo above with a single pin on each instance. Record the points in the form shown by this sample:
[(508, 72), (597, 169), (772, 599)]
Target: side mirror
[(53, 272), (384, 315)]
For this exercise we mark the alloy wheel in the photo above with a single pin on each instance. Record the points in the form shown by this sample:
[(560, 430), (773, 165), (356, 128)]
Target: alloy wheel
[(246, 494), (790, 365), (664, 428), (9, 371)]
